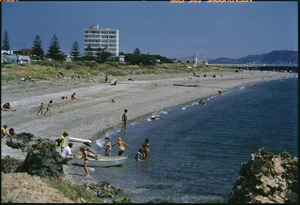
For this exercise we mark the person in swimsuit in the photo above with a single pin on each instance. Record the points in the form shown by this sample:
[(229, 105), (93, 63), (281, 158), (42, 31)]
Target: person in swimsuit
[(108, 149), (73, 96), (40, 109), (138, 154), (146, 148), (124, 119), (48, 107), (85, 158), (121, 146), (7, 107)]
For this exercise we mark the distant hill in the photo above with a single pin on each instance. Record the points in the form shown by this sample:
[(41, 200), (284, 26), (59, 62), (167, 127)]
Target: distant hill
[(278, 57)]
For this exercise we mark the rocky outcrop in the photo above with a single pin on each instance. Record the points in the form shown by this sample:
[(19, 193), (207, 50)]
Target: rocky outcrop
[(43, 160), (9, 165), (23, 141), (267, 178), (103, 189)]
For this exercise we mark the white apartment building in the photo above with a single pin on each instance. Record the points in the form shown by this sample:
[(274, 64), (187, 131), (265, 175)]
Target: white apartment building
[(107, 39)]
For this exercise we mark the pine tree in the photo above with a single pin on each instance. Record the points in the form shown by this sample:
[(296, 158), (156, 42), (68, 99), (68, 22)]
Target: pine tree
[(37, 50), (75, 52), (6, 45), (137, 51), (54, 50)]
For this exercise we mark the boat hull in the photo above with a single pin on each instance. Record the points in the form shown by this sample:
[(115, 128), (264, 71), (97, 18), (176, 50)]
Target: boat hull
[(102, 161)]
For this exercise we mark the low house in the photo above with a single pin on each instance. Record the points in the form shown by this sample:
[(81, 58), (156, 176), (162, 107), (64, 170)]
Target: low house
[(192, 60), (15, 59)]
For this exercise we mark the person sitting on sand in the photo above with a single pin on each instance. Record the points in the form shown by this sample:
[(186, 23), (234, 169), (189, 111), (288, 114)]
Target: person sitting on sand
[(40, 109), (11, 132), (4, 132), (73, 97), (66, 154), (48, 108), (121, 146), (64, 97), (108, 149), (7, 107)]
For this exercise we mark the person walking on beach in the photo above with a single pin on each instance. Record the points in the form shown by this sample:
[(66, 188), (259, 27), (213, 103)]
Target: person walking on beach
[(40, 109), (121, 148), (146, 148), (124, 119), (63, 141), (48, 107)]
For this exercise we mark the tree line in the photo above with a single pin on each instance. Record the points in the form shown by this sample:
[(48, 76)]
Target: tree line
[(54, 52)]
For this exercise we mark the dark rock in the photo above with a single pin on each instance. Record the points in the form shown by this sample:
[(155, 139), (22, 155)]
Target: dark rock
[(43, 160), (267, 178), (9, 165), (23, 141)]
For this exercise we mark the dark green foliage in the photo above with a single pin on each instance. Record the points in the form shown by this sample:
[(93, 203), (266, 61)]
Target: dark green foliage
[(88, 55), (37, 50), (75, 51), (6, 45), (102, 55), (145, 59), (137, 51), (54, 50)]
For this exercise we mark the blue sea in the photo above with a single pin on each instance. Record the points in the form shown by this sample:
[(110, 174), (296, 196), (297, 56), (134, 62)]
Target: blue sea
[(197, 151)]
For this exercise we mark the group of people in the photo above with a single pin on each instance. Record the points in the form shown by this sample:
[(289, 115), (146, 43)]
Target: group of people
[(10, 133), (64, 97), (144, 150), (67, 154), (48, 108)]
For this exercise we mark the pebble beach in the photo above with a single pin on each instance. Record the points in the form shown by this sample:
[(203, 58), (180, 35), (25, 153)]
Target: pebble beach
[(100, 105)]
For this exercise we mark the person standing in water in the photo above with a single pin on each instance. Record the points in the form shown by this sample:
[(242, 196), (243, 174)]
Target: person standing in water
[(121, 146), (146, 148), (124, 119)]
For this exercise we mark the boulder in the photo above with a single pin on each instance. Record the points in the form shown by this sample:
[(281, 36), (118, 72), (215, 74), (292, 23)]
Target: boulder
[(43, 160), (9, 165), (23, 141), (267, 178)]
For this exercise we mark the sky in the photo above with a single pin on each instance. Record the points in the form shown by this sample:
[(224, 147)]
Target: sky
[(173, 30)]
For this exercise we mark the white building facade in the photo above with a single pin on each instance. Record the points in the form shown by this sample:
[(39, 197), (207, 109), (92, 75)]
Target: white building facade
[(107, 39)]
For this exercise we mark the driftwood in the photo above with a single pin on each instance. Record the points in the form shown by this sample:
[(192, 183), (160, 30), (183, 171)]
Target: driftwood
[(186, 85)]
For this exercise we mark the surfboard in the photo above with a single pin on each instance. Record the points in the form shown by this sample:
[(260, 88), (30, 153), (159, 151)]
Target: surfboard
[(73, 139)]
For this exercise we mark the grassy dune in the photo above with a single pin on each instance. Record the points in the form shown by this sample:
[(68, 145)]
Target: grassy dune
[(49, 70)]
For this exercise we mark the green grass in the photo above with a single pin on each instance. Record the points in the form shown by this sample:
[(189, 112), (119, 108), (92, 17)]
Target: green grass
[(72, 191), (49, 70)]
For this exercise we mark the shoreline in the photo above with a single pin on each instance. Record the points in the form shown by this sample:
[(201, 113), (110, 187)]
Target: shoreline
[(94, 113)]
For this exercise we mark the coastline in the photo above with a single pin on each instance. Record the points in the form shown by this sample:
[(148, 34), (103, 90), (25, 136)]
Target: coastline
[(94, 112)]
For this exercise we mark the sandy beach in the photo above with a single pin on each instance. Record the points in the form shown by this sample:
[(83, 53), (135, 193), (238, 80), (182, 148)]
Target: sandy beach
[(94, 112)]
